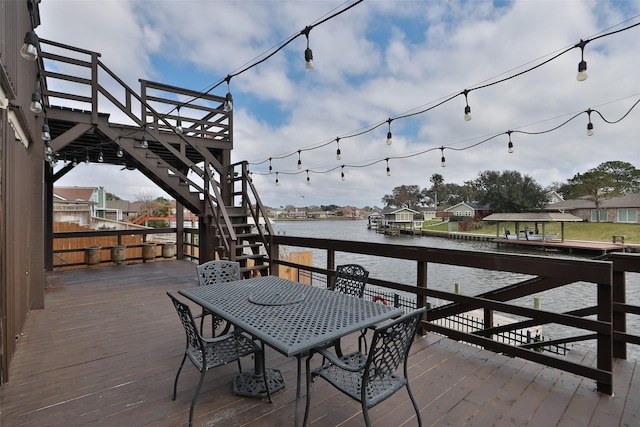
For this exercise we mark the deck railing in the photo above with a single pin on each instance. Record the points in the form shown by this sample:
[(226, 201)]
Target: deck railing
[(603, 323)]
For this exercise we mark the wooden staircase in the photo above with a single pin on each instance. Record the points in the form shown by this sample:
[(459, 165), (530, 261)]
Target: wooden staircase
[(192, 166)]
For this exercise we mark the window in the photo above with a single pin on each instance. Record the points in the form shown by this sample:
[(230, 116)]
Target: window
[(595, 213), (628, 215)]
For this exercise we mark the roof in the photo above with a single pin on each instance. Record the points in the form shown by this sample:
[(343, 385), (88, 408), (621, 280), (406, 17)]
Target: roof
[(389, 211), (74, 193), (626, 201), (470, 205), (533, 217)]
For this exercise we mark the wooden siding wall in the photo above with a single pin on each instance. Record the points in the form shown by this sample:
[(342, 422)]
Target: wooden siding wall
[(21, 189)]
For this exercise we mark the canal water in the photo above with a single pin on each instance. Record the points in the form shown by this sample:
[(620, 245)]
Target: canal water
[(444, 277)]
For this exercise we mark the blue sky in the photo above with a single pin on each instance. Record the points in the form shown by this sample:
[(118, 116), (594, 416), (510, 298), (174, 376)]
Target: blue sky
[(381, 59)]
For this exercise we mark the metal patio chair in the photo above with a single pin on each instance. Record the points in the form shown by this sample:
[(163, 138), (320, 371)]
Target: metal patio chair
[(349, 279), (371, 378), (210, 273), (208, 353)]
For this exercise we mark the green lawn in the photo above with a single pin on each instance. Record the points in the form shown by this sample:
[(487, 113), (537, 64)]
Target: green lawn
[(590, 231)]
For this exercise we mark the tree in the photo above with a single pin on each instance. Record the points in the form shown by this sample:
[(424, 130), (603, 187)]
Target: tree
[(437, 181), (509, 191), (407, 196), (111, 196)]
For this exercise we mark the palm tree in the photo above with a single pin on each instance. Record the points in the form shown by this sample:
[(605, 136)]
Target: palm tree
[(436, 180)]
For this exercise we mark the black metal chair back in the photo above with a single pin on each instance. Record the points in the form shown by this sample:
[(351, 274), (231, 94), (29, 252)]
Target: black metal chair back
[(210, 273), (372, 378), (221, 271), (209, 353), (350, 279)]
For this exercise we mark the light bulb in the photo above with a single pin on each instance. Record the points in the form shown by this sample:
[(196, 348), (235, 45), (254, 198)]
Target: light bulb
[(144, 143), (46, 135), (179, 129), (36, 103), (510, 150), (299, 164), (100, 157), (389, 138), (590, 129), (338, 156), (443, 162), (228, 103), (342, 176), (582, 71), (119, 152), (467, 113), (388, 171), (29, 49), (48, 150), (308, 60)]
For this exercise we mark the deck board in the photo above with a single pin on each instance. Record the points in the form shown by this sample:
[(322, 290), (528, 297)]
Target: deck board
[(105, 350)]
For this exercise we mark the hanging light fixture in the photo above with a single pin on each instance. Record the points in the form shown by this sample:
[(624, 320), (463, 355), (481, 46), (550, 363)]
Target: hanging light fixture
[(443, 162), (467, 109), (338, 154), (308, 180), (270, 168), (227, 106), (590, 131), (388, 170), (342, 173), (582, 65), (36, 98), (75, 160), (100, 155), (119, 152), (510, 145), (277, 182), (144, 143), (389, 132), (29, 49), (179, 129), (308, 54), (299, 161), (86, 159), (46, 134)]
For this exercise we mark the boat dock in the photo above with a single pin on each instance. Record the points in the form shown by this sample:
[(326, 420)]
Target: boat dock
[(570, 246)]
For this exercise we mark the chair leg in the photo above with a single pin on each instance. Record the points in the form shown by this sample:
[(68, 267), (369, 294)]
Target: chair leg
[(195, 396), (175, 382), (415, 405), (365, 411)]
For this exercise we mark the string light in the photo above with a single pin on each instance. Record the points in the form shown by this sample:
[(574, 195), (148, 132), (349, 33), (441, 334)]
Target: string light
[(270, 168), (46, 134), (144, 143), (342, 173), (582, 66), (467, 109), (510, 145), (119, 152), (36, 98), (338, 155), (299, 161), (308, 54), (589, 125), (443, 162), (179, 129), (388, 170), (277, 182), (308, 179), (75, 160), (227, 106), (389, 132), (100, 155), (29, 49), (86, 159)]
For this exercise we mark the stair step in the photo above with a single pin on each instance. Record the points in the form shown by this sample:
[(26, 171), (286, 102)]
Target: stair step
[(252, 256)]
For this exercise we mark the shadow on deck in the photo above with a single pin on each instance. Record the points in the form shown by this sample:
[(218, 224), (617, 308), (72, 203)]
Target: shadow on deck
[(105, 350)]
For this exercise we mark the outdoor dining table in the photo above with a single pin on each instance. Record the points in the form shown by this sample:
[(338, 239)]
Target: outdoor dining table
[(288, 316)]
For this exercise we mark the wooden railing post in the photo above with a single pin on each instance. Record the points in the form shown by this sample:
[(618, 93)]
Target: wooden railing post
[(274, 253), (619, 317), (605, 340), (421, 300)]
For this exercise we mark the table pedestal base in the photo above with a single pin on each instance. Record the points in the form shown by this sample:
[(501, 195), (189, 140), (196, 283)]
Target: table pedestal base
[(251, 384)]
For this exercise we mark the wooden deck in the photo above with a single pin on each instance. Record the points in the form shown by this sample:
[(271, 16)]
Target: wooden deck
[(569, 245), (105, 350)]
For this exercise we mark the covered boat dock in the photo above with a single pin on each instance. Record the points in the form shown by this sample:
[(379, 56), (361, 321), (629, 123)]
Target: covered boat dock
[(536, 218)]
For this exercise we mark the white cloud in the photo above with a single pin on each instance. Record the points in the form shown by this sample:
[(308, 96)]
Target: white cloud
[(381, 59)]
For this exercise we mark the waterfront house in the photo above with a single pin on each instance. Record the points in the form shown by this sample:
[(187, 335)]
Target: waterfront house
[(467, 209), (622, 209)]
